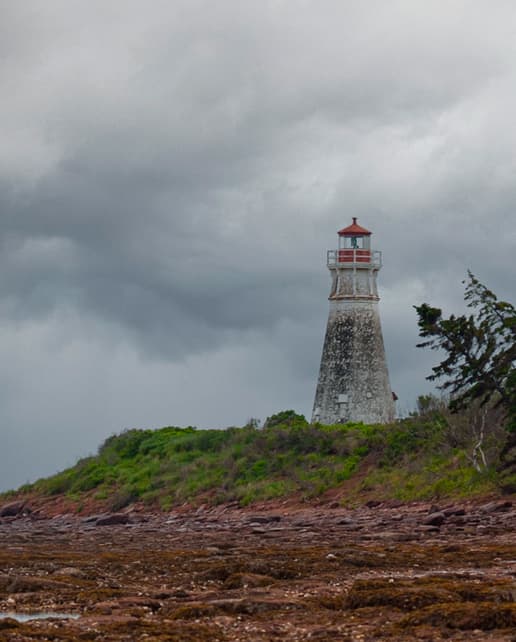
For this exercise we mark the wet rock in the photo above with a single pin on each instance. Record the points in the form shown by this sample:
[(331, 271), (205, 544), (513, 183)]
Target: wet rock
[(496, 507), (112, 519), (109, 606), (236, 606), (345, 521), (100, 622), (92, 518), (427, 528), (8, 623), (454, 511), (263, 519), (12, 509), (458, 520), (247, 580), (394, 535), (401, 594), (29, 584), (468, 616), (434, 519)]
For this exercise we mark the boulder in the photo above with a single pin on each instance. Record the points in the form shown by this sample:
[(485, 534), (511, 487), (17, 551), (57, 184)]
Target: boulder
[(434, 519), (112, 519), (496, 507), (263, 519), (454, 511), (12, 509)]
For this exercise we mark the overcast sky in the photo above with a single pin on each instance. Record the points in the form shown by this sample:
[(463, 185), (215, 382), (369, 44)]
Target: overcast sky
[(172, 174)]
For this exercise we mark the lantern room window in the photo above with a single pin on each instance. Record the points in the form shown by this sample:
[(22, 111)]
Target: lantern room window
[(351, 242)]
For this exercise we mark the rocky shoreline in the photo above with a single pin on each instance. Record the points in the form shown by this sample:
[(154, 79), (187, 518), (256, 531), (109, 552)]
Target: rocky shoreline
[(380, 572)]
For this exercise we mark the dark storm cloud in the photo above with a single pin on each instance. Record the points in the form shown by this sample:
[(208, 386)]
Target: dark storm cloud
[(171, 178), (110, 251)]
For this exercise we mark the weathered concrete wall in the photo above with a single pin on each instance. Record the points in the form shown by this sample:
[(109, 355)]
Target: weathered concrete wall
[(353, 380), (353, 283)]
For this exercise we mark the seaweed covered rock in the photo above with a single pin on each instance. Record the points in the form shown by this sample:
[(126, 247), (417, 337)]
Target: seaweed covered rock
[(484, 616)]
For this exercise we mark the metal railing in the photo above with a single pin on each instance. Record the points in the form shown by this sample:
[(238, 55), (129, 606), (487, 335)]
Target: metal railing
[(354, 258)]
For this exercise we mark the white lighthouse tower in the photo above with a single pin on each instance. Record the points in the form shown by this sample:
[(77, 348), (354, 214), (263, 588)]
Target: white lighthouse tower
[(353, 382)]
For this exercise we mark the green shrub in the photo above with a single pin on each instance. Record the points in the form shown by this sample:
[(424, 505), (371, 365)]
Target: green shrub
[(122, 498), (285, 418)]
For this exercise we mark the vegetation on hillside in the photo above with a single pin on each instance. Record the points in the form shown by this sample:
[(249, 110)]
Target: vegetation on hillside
[(417, 458)]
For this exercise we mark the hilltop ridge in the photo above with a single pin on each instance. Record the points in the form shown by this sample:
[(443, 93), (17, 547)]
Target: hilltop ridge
[(288, 459)]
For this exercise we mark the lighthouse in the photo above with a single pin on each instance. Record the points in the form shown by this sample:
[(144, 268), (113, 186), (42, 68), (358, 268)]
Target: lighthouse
[(353, 382)]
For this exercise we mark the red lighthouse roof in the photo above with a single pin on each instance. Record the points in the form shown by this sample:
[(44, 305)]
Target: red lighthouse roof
[(354, 230)]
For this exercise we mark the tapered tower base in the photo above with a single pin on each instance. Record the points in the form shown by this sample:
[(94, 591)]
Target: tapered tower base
[(353, 380)]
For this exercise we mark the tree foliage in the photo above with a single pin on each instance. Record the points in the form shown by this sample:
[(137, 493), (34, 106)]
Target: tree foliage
[(480, 349), (285, 417)]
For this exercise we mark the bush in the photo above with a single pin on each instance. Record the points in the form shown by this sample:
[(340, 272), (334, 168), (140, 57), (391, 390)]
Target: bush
[(285, 418)]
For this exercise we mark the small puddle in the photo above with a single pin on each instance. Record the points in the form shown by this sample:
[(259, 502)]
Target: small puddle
[(41, 615)]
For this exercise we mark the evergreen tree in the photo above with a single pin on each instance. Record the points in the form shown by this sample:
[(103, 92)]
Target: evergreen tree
[(480, 348)]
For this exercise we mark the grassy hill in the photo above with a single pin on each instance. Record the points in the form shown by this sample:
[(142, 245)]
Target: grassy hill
[(412, 459)]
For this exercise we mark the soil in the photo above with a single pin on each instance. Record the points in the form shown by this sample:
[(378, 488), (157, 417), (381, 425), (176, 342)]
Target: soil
[(272, 572)]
